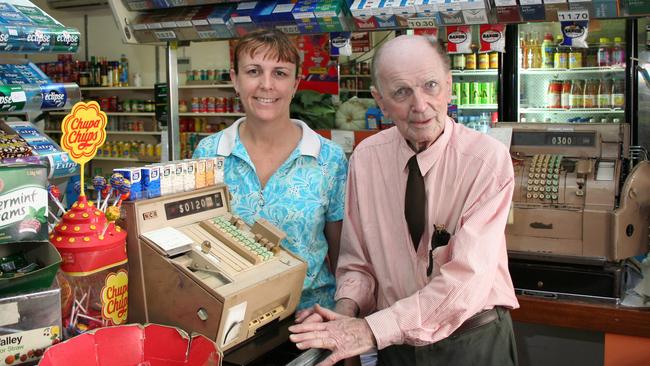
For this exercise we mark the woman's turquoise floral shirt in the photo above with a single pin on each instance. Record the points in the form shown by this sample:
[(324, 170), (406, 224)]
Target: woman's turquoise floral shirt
[(307, 191)]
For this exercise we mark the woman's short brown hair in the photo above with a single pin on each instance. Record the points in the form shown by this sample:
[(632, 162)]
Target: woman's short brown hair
[(274, 42)]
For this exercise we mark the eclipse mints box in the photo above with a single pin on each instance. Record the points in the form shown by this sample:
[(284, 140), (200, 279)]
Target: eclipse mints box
[(134, 175), (151, 181)]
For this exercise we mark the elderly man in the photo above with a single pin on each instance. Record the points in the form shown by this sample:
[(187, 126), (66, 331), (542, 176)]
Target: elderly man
[(423, 270)]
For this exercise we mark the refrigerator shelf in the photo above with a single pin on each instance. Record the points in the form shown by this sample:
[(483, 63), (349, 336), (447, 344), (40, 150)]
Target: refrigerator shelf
[(491, 72), (573, 110), (478, 107), (590, 70)]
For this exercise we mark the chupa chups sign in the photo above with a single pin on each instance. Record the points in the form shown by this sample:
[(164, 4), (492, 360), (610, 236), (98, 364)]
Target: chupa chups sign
[(84, 131)]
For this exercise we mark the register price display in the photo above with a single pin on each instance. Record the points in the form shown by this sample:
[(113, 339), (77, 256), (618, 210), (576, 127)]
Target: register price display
[(554, 138), (190, 206)]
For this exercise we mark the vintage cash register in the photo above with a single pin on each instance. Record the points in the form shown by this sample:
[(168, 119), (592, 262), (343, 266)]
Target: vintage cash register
[(578, 209), (195, 266)]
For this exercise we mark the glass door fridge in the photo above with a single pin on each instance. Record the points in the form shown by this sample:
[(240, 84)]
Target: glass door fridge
[(561, 84), (475, 85)]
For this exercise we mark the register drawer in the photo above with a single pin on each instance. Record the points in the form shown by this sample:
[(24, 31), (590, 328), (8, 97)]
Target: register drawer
[(546, 223)]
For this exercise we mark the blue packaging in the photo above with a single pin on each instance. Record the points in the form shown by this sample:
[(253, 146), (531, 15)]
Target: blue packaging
[(26, 130), (263, 14), (53, 95), (42, 146), (134, 175), (282, 13), (151, 181), (9, 15), (61, 165)]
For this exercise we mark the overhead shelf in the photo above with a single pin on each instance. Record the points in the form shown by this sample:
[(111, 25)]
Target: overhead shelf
[(218, 114), (478, 107), (474, 72), (144, 133), (118, 114)]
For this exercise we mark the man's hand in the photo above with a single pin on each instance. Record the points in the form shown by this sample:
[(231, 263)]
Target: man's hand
[(344, 336), (345, 307)]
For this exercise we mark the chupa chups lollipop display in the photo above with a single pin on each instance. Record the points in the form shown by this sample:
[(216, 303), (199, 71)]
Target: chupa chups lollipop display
[(94, 263), (93, 247)]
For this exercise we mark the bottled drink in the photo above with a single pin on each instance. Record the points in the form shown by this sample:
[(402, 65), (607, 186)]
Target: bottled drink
[(618, 93), (459, 61), (566, 93), (575, 58), (618, 53), (523, 48), (576, 97), (483, 61), (124, 78), (590, 98), (554, 94), (548, 51), (535, 53), (604, 55), (604, 93)]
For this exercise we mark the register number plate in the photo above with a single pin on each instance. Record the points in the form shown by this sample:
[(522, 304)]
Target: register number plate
[(553, 138), (190, 206)]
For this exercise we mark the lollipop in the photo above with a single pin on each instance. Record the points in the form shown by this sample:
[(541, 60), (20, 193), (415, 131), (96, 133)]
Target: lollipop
[(99, 183), (55, 194), (125, 190), (112, 214), (116, 181)]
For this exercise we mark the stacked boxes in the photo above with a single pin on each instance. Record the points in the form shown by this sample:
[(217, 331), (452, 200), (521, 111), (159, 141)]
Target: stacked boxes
[(177, 176)]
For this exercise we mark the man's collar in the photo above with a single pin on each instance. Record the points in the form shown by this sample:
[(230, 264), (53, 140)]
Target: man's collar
[(310, 143), (429, 156)]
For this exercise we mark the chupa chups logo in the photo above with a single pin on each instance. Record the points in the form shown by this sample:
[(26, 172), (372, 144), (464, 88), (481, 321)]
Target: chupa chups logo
[(574, 31), (457, 37), (490, 36), (39, 38)]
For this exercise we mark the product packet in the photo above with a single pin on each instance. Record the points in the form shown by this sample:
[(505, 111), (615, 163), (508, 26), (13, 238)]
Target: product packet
[(493, 38), (459, 39), (575, 33)]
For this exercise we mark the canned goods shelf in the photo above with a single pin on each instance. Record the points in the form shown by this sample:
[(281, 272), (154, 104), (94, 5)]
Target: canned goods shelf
[(572, 110), (594, 70), (474, 72), (479, 106), (209, 114)]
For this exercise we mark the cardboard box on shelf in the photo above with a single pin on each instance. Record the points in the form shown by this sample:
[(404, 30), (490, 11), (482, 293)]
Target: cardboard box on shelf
[(30, 323), (43, 254)]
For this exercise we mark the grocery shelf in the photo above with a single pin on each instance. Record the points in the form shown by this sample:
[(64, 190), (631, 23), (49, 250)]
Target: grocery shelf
[(474, 72), (106, 158), (144, 133), (479, 107), (354, 76), (216, 114), (572, 110), (115, 88), (594, 70), (132, 114), (207, 86)]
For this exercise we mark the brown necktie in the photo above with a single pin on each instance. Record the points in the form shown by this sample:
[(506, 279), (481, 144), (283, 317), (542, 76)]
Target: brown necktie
[(414, 202)]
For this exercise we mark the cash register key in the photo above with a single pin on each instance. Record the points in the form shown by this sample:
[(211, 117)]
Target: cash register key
[(536, 181), (233, 219), (202, 314), (529, 188), (535, 188), (554, 196), (530, 175), (258, 237), (530, 181), (535, 195), (206, 246), (543, 175), (548, 196), (528, 195)]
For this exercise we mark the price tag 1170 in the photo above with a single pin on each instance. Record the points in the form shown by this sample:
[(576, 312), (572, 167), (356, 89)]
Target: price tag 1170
[(573, 15), (422, 22)]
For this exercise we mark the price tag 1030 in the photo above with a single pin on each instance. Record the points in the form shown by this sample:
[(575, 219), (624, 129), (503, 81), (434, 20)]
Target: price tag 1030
[(417, 22), (572, 15)]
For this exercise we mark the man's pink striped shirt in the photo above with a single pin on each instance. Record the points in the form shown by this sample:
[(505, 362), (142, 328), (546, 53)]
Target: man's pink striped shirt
[(469, 183)]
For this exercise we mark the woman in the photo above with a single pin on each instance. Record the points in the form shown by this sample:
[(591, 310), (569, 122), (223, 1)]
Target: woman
[(279, 169)]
